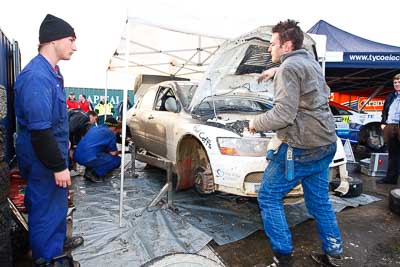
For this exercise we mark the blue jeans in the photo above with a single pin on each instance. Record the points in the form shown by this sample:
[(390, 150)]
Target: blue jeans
[(311, 168)]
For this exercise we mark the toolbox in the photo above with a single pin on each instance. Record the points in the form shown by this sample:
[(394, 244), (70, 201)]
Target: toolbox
[(376, 165)]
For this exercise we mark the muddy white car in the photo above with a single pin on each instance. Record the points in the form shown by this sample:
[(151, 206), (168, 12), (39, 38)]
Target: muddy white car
[(201, 126)]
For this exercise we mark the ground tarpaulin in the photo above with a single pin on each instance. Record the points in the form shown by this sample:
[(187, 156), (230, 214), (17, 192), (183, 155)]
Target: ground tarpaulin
[(154, 232)]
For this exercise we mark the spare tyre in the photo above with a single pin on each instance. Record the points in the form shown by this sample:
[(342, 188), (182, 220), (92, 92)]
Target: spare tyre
[(394, 201), (3, 133), (4, 181), (355, 187), (5, 239)]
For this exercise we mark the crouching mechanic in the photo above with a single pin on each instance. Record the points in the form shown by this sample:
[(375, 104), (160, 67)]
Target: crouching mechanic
[(42, 143), (97, 150), (304, 123)]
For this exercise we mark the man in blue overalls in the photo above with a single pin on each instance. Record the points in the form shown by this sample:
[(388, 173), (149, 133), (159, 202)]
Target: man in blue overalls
[(97, 150), (42, 141)]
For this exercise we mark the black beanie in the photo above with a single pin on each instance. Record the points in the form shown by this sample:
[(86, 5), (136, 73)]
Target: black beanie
[(53, 28), (111, 121)]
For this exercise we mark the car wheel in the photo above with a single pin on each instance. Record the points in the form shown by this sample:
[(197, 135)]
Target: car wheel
[(3, 133), (193, 163), (394, 201), (355, 187), (371, 135), (204, 181), (5, 239), (181, 259)]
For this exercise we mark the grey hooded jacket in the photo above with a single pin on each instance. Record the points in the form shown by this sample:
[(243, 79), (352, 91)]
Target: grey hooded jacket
[(301, 115)]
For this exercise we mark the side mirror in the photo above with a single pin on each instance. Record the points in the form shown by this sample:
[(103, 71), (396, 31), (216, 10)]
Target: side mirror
[(171, 105)]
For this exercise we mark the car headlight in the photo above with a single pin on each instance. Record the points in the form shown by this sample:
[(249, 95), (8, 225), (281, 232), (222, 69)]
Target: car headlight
[(250, 147)]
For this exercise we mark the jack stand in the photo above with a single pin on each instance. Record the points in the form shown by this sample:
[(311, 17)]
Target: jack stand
[(166, 190), (130, 169)]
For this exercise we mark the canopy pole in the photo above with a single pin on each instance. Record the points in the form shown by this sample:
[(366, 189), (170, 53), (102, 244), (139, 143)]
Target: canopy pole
[(124, 111), (105, 96)]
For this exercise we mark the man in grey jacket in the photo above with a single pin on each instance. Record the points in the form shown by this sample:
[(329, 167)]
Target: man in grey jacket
[(303, 122)]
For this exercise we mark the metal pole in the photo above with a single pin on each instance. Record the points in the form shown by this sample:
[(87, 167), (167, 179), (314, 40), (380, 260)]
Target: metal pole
[(125, 101), (377, 91), (105, 96), (169, 181)]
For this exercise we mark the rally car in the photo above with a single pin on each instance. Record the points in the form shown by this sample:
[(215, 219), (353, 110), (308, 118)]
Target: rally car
[(358, 127), (201, 126)]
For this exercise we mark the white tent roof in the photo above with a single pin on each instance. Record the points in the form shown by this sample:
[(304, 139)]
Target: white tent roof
[(160, 50)]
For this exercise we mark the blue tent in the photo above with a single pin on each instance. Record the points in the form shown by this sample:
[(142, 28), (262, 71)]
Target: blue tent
[(358, 63)]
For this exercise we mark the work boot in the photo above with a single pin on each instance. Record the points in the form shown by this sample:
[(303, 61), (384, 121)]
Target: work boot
[(282, 260), (91, 176), (73, 242), (64, 260), (327, 260)]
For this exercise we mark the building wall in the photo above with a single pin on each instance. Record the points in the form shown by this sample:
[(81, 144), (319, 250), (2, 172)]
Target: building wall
[(114, 96)]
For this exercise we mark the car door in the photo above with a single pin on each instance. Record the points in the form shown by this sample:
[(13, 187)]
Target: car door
[(160, 122), (138, 117)]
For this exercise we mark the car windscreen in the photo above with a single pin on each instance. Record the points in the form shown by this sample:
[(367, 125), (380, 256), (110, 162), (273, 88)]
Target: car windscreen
[(231, 105), (339, 112), (186, 92)]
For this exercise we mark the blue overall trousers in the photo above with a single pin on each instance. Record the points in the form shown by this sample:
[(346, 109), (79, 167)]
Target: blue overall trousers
[(39, 105), (310, 167), (92, 150)]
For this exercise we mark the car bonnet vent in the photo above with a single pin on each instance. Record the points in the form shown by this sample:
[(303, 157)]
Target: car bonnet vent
[(256, 60)]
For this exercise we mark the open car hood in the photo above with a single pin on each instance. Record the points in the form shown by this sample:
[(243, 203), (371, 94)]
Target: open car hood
[(237, 65)]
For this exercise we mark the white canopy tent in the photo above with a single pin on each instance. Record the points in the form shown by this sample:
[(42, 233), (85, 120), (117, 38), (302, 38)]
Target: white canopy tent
[(149, 48)]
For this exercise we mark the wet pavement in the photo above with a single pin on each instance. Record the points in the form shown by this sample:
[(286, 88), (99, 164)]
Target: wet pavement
[(371, 236)]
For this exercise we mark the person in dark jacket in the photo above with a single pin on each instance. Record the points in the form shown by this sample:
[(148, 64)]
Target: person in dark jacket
[(97, 150), (42, 142), (391, 132), (120, 109), (79, 123)]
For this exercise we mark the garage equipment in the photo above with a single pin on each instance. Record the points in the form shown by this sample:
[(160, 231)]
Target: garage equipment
[(376, 165), (167, 189)]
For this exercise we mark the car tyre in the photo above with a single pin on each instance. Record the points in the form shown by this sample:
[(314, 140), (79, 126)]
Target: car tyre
[(204, 181), (4, 181), (3, 133), (355, 187), (394, 201), (5, 239)]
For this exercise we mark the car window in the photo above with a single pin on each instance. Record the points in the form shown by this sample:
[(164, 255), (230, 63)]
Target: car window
[(339, 112), (186, 92), (148, 100), (162, 95), (232, 105)]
